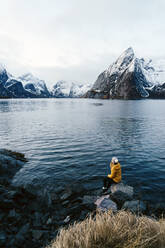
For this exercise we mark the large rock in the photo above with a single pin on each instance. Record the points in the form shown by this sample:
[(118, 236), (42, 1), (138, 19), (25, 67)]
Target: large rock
[(104, 203), (135, 206), (120, 197), (10, 163), (122, 188)]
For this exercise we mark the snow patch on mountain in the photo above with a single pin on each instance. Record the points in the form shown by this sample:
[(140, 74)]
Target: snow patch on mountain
[(69, 89), (122, 62), (33, 84)]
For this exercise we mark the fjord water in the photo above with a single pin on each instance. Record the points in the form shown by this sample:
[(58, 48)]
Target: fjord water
[(73, 140)]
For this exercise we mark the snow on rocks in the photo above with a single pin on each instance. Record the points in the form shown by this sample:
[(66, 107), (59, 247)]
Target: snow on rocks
[(65, 89), (34, 85)]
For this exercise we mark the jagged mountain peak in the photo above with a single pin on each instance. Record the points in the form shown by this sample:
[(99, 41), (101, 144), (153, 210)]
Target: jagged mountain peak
[(122, 62), (128, 78)]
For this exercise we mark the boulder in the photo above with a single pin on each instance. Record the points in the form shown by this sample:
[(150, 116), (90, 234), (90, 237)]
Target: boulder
[(22, 233), (3, 238), (120, 197), (37, 234), (128, 190), (135, 206), (10, 163), (88, 199), (65, 196), (104, 203)]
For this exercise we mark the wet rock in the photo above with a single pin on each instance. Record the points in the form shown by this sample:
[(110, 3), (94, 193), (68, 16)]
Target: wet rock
[(14, 155), (159, 208), (135, 206), (6, 204), (20, 199), (49, 221), (3, 190), (97, 192), (37, 219), (37, 234), (77, 189), (33, 206), (10, 163), (122, 188), (54, 197), (67, 219), (44, 218), (2, 215), (83, 215), (47, 198), (3, 238), (65, 203), (24, 229), (88, 202), (22, 233), (29, 193), (10, 194), (66, 196), (13, 215), (104, 203), (88, 199), (120, 197), (59, 190), (77, 200)]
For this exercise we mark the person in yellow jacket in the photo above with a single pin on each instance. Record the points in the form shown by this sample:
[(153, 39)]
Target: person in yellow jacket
[(115, 176)]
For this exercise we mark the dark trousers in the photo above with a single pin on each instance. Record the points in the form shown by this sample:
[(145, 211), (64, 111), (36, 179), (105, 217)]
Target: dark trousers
[(108, 182)]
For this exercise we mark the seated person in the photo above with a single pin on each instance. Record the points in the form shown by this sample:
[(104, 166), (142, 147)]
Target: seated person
[(115, 176)]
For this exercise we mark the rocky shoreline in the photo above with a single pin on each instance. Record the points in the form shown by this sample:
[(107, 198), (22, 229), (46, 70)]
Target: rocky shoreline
[(33, 217)]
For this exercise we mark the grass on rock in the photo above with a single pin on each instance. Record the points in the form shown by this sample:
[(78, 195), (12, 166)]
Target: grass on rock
[(108, 230)]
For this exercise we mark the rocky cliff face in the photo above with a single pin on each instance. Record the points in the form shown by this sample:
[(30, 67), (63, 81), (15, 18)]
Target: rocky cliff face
[(4, 93), (127, 78), (17, 89), (34, 85)]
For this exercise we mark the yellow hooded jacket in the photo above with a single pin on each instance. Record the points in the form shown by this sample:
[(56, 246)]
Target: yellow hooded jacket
[(115, 172)]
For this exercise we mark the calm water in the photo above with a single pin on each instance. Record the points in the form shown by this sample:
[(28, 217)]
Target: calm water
[(73, 140)]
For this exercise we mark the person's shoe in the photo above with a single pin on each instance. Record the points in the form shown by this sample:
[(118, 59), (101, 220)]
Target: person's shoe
[(104, 189)]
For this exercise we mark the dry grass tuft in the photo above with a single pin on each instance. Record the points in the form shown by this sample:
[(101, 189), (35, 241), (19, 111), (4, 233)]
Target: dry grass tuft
[(108, 230)]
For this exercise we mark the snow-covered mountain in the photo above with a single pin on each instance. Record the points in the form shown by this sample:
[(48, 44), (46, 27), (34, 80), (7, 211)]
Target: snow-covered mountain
[(34, 85), (129, 78), (30, 86), (11, 86), (69, 89)]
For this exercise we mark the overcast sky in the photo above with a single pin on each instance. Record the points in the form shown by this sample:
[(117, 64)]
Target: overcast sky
[(77, 39)]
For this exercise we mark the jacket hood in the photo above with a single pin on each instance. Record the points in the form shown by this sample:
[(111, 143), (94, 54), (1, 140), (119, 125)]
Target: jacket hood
[(116, 166)]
